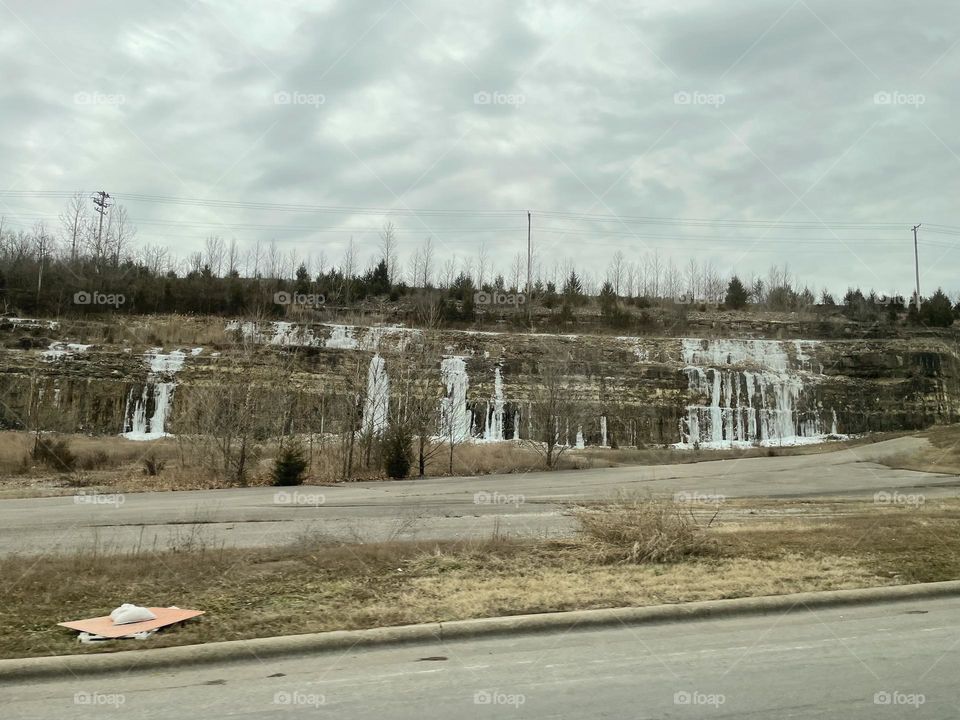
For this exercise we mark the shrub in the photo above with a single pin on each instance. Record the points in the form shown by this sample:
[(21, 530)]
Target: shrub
[(643, 529), (290, 466), (93, 461), (53, 452), (152, 466), (396, 457)]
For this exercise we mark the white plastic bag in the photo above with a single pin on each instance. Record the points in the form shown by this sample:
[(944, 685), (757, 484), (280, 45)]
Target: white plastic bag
[(129, 613)]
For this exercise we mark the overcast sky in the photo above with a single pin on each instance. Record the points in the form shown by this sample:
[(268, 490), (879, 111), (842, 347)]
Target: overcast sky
[(816, 112)]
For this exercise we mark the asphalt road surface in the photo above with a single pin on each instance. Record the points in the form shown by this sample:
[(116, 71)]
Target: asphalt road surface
[(529, 504), (893, 660)]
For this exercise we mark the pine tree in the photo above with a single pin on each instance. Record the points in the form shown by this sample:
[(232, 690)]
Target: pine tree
[(937, 311), (290, 466), (737, 294)]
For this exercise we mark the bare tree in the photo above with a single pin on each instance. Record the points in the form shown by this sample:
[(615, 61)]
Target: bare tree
[(233, 256), (121, 233), (72, 221), (427, 261), (388, 251), (448, 273), (616, 272), (348, 268), (483, 264), (516, 272), (554, 406), (213, 254)]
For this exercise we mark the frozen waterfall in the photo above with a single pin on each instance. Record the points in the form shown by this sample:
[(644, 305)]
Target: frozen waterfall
[(493, 431), (750, 391), (157, 393), (377, 402), (454, 415)]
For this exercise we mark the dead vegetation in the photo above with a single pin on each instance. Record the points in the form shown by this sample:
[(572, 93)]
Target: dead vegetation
[(115, 464), (317, 585)]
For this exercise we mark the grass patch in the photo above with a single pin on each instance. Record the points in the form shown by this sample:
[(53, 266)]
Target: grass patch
[(314, 585)]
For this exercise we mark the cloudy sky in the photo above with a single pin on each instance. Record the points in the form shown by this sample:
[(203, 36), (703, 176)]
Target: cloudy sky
[(811, 133)]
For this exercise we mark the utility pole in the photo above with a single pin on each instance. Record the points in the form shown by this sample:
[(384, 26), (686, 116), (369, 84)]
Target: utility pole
[(916, 261), (529, 300), (102, 201)]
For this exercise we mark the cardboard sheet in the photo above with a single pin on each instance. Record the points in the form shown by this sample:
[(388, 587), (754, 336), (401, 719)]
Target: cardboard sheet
[(104, 625)]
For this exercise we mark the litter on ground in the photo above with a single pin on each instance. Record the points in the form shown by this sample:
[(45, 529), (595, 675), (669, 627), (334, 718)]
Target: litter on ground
[(124, 622)]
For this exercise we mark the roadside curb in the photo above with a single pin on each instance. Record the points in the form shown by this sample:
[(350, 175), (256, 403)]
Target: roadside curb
[(61, 666)]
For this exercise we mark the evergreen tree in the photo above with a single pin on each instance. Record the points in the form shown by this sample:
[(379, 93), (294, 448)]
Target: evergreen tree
[(737, 294), (937, 311), (290, 466), (396, 457)]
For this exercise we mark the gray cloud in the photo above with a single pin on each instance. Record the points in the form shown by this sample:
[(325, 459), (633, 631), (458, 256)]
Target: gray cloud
[(584, 111)]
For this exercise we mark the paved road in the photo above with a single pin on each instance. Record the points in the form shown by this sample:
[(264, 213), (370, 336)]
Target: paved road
[(523, 504), (895, 660)]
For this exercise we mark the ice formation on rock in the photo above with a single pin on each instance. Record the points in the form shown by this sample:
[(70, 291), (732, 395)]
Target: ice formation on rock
[(751, 391), (455, 417), (157, 392), (377, 402), (493, 430)]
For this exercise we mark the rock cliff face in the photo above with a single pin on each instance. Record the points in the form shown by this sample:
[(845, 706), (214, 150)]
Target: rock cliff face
[(630, 390)]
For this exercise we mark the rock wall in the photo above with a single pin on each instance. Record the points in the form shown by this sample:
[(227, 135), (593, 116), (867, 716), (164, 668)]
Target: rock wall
[(631, 390)]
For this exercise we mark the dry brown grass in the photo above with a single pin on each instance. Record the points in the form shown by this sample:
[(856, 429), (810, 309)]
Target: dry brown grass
[(315, 586), (114, 464), (635, 529)]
